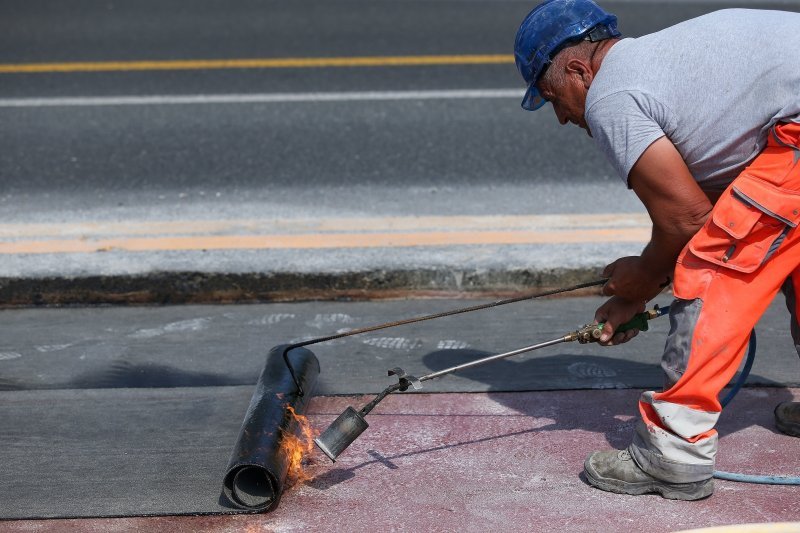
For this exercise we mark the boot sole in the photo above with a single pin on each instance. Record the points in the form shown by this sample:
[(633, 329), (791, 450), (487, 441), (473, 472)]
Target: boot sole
[(786, 429), (671, 491)]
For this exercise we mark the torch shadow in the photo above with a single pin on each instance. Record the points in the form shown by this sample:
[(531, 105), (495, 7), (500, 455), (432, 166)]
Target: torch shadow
[(339, 475), (569, 371), (566, 371), (125, 374)]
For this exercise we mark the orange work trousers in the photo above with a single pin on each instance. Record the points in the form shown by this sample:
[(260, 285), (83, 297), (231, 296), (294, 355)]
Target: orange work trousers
[(725, 278)]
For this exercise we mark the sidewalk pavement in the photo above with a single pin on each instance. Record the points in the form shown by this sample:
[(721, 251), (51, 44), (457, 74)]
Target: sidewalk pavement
[(499, 462), (490, 454), (248, 259)]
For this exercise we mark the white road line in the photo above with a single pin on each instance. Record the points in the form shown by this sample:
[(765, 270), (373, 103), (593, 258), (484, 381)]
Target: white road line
[(263, 98)]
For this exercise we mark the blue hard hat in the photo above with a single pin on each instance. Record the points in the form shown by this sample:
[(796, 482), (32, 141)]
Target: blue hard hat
[(552, 25)]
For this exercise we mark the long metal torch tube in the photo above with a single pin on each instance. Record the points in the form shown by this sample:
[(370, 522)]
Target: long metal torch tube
[(351, 423), (491, 358), (427, 317)]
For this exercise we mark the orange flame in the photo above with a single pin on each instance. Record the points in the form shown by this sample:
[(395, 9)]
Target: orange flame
[(295, 447)]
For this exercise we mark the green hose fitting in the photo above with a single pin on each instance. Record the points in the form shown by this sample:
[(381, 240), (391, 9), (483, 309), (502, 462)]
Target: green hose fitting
[(640, 321)]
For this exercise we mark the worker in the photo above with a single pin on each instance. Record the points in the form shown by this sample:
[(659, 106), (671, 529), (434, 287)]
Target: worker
[(702, 121)]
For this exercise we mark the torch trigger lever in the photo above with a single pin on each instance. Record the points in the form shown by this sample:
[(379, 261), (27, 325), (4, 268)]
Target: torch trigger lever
[(405, 379)]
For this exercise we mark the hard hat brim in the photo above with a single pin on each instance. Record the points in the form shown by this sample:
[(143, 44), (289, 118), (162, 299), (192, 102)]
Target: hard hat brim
[(532, 99)]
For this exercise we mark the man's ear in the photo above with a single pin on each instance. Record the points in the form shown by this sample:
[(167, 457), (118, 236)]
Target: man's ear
[(582, 69)]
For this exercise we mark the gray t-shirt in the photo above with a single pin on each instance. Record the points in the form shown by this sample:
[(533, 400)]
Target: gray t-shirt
[(714, 85)]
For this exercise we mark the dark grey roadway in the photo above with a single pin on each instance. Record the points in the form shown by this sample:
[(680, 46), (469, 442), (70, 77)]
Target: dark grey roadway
[(485, 156), (48, 31)]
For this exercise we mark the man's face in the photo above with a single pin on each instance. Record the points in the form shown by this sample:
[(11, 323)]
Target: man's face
[(568, 99)]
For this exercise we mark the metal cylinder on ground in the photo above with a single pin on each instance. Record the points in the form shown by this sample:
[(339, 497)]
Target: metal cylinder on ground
[(258, 466)]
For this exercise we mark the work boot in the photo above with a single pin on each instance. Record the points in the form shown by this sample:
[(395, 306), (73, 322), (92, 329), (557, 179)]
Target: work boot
[(616, 471), (787, 418)]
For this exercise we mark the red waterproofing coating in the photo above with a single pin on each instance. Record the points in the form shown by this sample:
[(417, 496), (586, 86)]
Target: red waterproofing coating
[(257, 470)]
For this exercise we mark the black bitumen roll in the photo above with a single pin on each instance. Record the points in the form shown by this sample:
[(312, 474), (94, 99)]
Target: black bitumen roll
[(257, 470)]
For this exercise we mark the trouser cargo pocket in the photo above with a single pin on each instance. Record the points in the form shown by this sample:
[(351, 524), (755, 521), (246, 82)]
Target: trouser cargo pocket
[(747, 225)]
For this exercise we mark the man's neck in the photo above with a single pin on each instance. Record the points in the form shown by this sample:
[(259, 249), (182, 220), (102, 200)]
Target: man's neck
[(600, 52)]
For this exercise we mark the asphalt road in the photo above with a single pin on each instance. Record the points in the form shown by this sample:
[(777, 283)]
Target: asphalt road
[(421, 155), (102, 171)]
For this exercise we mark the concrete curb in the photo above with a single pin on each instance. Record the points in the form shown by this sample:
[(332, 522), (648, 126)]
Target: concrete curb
[(225, 260), (213, 287)]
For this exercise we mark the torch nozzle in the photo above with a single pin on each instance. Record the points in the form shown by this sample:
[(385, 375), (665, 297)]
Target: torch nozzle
[(341, 434)]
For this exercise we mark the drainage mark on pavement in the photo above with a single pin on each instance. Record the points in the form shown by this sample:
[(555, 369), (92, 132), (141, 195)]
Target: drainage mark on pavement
[(394, 343)]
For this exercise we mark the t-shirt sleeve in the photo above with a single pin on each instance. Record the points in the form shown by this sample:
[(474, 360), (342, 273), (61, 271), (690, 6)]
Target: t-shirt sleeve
[(624, 125)]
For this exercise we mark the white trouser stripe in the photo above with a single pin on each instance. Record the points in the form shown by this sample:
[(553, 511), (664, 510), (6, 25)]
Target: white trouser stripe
[(681, 420)]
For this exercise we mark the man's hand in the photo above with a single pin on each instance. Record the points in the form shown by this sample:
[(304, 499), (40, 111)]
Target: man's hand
[(631, 280), (612, 314)]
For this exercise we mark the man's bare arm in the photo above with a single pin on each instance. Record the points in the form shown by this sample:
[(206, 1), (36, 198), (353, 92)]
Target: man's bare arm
[(678, 209)]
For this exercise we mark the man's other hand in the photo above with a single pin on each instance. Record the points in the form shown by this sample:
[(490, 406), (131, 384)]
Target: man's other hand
[(629, 280)]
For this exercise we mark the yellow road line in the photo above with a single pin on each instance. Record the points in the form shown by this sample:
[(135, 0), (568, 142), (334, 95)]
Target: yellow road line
[(323, 241), (321, 233), (264, 63), (150, 228)]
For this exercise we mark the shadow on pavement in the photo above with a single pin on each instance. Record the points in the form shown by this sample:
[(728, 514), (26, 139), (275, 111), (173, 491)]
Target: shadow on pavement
[(123, 374), (335, 476), (576, 372)]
